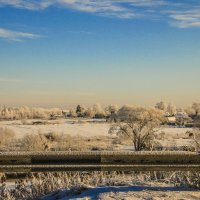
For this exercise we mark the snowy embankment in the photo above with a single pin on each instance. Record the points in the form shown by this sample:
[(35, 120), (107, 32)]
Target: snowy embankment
[(126, 192)]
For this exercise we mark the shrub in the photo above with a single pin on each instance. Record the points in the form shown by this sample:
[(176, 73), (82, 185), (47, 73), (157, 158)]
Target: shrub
[(7, 136), (34, 142)]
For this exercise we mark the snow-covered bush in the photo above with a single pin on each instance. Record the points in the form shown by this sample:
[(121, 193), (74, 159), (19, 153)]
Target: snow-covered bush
[(137, 124), (34, 142), (7, 136)]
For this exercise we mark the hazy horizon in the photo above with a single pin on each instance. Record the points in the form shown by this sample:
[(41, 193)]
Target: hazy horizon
[(63, 53)]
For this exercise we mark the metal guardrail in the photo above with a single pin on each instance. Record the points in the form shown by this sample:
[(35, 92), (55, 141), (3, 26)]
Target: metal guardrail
[(98, 161)]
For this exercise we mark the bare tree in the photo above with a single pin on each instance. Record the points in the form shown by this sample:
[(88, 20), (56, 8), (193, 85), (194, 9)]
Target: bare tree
[(138, 124)]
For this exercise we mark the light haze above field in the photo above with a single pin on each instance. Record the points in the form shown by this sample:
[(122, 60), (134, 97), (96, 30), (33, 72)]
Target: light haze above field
[(69, 52)]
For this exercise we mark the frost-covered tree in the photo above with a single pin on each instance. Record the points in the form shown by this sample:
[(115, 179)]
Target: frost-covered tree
[(196, 134), (171, 109), (137, 124), (196, 107), (112, 109), (99, 111), (89, 112), (193, 110), (72, 113), (197, 123), (111, 112), (124, 112), (80, 111), (190, 111), (5, 113), (12, 113), (161, 106)]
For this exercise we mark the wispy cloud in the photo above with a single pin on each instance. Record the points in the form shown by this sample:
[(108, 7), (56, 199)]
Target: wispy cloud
[(24, 4), (16, 35), (186, 19), (180, 13)]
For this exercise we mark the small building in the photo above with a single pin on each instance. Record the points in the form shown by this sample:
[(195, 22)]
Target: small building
[(53, 117), (171, 121), (65, 113), (179, 115)]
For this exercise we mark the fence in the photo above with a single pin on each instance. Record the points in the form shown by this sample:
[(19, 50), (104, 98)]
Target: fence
[(98, 161)]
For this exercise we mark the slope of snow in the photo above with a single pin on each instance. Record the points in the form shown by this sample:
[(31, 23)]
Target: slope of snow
[(129, 193)]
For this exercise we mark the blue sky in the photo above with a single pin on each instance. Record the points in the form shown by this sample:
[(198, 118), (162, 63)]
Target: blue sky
[(65, 52)]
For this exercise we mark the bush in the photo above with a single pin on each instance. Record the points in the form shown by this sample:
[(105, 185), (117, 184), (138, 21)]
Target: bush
[(137, 124), (7, 136), (35, 142), (50, 142)]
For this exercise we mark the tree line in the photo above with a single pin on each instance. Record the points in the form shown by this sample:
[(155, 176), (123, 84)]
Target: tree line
[(96, 111)]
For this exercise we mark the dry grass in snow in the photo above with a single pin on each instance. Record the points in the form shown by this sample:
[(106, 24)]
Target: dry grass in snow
[(103, 185)]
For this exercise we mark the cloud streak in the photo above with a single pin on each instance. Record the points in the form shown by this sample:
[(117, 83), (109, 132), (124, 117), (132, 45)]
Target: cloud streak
[(186, 19), (16, 35), (180, 13)]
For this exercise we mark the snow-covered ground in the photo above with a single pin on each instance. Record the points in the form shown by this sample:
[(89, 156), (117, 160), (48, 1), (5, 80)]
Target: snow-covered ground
[(74, 128), (154, 192), (172, 137), (70, 127), (89, 129)]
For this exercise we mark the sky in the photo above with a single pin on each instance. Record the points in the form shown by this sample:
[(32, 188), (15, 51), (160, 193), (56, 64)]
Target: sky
[(60, 53)]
